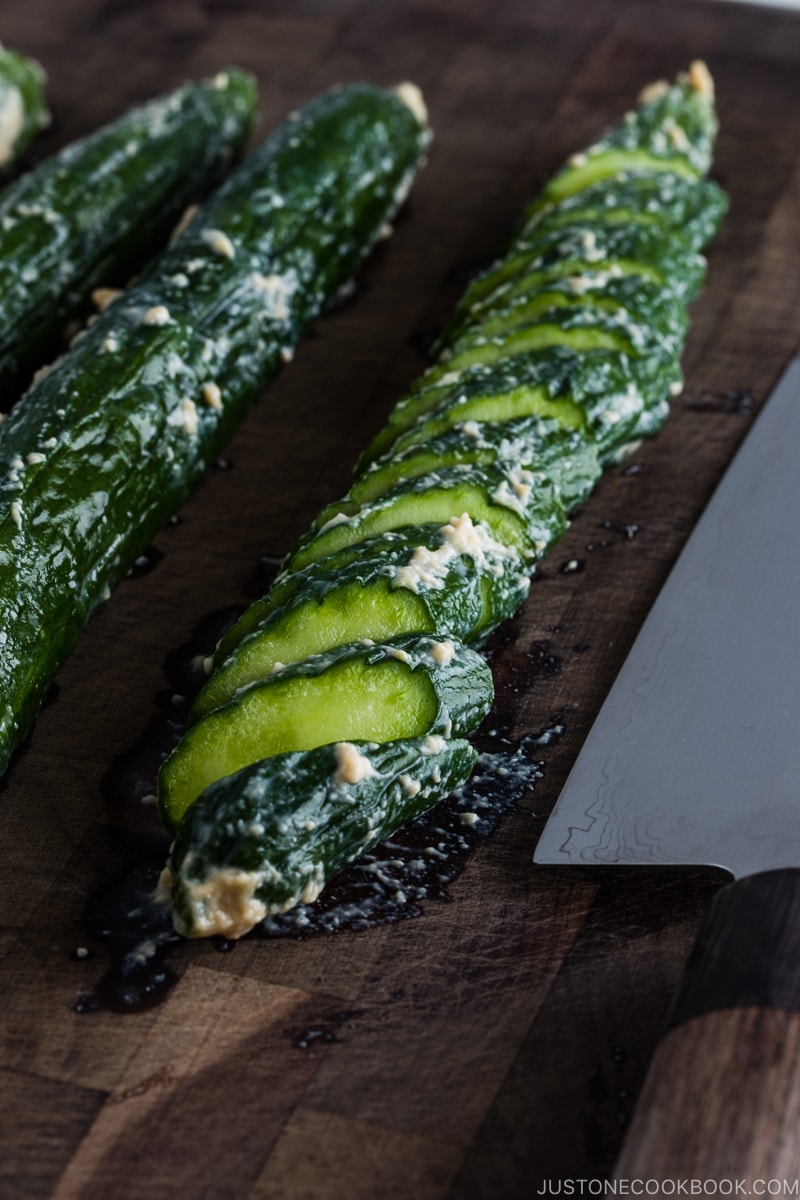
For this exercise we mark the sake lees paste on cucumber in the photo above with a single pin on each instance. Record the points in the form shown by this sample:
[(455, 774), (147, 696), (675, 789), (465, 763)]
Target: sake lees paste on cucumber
[(581, 326)]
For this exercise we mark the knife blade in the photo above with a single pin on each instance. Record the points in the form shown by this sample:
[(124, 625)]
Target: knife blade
[(694, 758)]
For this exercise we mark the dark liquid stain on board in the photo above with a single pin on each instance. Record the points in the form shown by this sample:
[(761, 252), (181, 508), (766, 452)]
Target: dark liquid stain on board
[(388, 884)]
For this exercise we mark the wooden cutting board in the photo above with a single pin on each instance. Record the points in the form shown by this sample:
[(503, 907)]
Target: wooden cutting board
[(498, 1039)]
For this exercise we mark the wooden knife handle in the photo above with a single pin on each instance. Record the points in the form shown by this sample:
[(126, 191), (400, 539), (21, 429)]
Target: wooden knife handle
[(722, 1095)]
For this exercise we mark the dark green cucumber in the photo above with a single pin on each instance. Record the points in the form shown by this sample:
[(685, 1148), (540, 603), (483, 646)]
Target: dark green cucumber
[(23, 107), (522, 508), (410, 687), (109, 443), (92, 213), (455, 580), (270, 836)]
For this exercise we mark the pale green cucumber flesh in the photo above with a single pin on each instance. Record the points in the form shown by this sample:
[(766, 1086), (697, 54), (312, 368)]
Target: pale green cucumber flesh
[(342, 615), (350, 700)]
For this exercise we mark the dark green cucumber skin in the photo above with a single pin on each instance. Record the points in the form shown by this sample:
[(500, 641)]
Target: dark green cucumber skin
[(553, 253), (390, 550), (466, 600), (461, 685), (92, 213), (601, 329), (290, 822), (26, 77), (120, 452)]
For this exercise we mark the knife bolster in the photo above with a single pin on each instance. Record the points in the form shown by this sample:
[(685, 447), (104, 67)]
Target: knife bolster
[(747, 954)]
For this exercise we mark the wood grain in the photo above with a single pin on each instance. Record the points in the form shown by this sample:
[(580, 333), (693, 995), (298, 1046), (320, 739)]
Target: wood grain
[(685, 1125), (500, 1039)]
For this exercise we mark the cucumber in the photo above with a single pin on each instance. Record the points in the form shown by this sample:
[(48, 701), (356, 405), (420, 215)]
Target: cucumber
[(410, 687), (522, 508), (558, 357), (92, 213), (582, 328), (104, 448), (454, 580), (269, 837), (23, 106)]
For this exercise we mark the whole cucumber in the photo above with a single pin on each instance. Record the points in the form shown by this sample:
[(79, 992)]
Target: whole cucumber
[(93, 212), (110, 441)]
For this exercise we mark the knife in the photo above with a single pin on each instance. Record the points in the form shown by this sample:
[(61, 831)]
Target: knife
[(694, 758)]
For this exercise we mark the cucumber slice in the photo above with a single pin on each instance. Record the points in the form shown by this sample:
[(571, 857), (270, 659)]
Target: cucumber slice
[(410, 687), (455, 581), (637, 249), (583, 328), (269, 837), (693, 207), (672, 129), (536, 443), (612, 398), (650, 306), (522, 509)]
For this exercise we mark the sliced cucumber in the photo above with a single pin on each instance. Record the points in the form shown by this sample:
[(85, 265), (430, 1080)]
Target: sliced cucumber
[(410, 687), (604, 393), (646, 302), (638, 249), (672, 129), (559, 356)]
